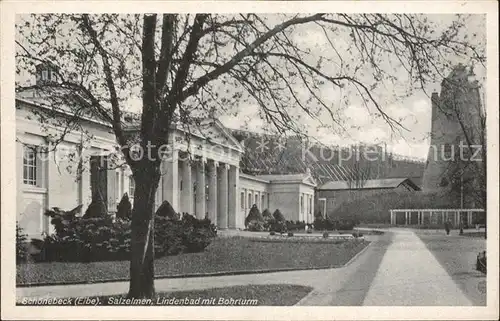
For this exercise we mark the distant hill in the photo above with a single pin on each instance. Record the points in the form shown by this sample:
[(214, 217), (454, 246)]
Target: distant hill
[(268, 154)]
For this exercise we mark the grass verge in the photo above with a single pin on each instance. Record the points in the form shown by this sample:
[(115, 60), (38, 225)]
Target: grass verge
[(243, 295), (235, 254)]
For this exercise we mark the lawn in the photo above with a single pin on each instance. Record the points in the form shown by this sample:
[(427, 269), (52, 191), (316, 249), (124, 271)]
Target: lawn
[(234, 254), (242, 295)]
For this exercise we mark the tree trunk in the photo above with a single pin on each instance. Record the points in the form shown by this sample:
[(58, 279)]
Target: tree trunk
[(142, 259)]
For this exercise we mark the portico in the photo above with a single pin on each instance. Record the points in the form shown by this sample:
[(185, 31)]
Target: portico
[(200, 177)]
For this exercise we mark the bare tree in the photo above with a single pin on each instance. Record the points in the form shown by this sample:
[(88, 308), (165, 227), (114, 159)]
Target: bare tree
[(192, 66)]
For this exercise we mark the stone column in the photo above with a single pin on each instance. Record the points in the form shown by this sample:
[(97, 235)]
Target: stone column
[(110, 173), (19, 179), (222, 198), (170, 179), (406, 218), (212, 192), (187, 187), (200, 189), (392, 217), (234, 215), (85, 191)]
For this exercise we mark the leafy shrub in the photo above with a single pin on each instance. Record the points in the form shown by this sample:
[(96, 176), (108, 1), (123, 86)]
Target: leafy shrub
[(376, 208), (166, 210), (272, 233), (295, 226), (255, 226), (277, 226), (102, 239), (290, 233), (346, 225), (357, 234), (326, 235), (97, 208), (309, 231), (278, 216), (21, 244), (268, 217), (124, 208)]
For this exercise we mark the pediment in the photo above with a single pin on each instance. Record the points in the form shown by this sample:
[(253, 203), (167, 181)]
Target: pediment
[(309, 180), (212, 132)]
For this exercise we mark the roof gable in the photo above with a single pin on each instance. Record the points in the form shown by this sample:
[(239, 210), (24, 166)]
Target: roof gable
[(300, 178), (369, 184)]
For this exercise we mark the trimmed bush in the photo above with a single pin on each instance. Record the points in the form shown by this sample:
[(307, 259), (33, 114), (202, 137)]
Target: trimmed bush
[(254, 215), (326, 235), (21, 244), (278, 216), (267, 216), (124, 208), (309, 231), (290, 234), (272, 233), (321, 224), (167, 211), (254, 221)]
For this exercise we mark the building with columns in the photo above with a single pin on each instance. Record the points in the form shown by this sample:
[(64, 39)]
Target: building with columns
[(201, 173)]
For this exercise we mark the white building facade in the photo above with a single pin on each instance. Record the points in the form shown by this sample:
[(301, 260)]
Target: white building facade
[(201, 176)]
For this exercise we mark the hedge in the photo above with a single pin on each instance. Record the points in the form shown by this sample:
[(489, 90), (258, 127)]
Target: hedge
[(81, 239), (376, 207), (21, 244)]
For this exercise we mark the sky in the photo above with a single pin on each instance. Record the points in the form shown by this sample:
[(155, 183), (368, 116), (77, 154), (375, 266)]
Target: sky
[(413, 112)]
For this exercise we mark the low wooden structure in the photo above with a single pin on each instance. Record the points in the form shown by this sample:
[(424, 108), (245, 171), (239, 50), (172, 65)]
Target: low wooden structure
[(466, 216)]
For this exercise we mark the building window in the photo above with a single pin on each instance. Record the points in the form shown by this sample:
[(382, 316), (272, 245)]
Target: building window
[(301, 203), (242, 200), (263, 203), (257, 200), (131, 186), (29, 166), (249, 200), (310, 205), (45, 74)]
